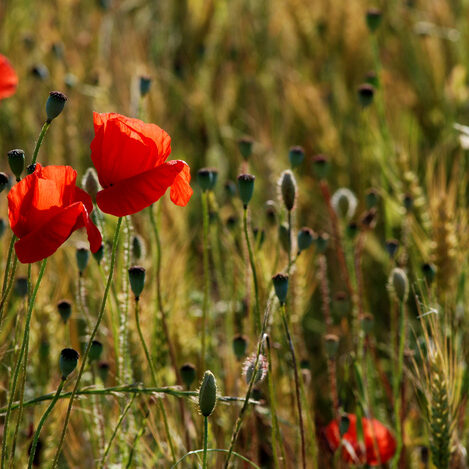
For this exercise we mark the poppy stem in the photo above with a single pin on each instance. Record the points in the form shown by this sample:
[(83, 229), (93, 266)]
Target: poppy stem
[(92, 336), (8, 277), (205, 304), (18, 365), (44, 130), (32, 451)]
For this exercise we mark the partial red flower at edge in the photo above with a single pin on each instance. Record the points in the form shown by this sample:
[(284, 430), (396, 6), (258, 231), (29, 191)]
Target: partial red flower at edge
[(45, 208), (130, 158), (385, 441), (8, 78)]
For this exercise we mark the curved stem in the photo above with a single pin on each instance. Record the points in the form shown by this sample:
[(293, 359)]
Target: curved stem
[(44, 130), (204, 465), (234, 453), (92, 336), (18, 364), (32, 451)]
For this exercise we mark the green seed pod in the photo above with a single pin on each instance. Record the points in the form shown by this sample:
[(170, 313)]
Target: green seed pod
[(284, 237), (68, 361), (246, 188), (4, 181), (344, 424), (64, 308), (240, 345), (322, 241), (373, 19), (296, 155), (399, 284), (371, 198), (90, 183), (44, 350), (207, 394), (280, 282), (320, 166), (391, 247), (144, 85), (3, 226), (245, 147), (103, 370), (55, 104), (305, 238), (365, 94), (98, 255), (331, 343), (207, 178), (137, 280), (96, 351), (82, 256), (188, 374), (288, 189), (16, 162), (429, 271), (21, 287), (248, 369)]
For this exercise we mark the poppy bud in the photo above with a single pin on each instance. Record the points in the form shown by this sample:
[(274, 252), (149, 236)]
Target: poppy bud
[(246, 188), (320, 166), (245, 147), (429, 271), (281, 287), (144, 85), (305, 238), (371, 198), (271, 212), (103, 370), (207, 394), (344, 203), (188, 374), (368, 219), (399, 284), (137, 280), (287, 185), (21, 287), (4, 180), (341, 304), (305, 364), (55, 104), (391, 247), (408, 202), (344, 424), (16, 162), (240, 345), (64, 308), (284, 237), (90, 183), (367, 322), (96, 351), (373, 19), (365, 94), (98, 255), (248, 369), (331, 343), (351, 230), (296, 155), (207, 178), (3, 226), (322, 241), (138, 247), (82, 255), (68, 361)]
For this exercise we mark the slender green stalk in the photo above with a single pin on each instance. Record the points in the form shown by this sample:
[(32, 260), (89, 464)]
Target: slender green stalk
[(205, 304), (18, 364), (116, 429), (8, 277), (44, 130), (137, 438), (234, 453), (297, 383), (153, 375), (92, 336), (257, 314), (41, 423), (204, 465)]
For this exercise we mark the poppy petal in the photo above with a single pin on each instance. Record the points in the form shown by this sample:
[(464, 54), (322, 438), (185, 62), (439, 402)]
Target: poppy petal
[(181, 190), (8, 78), (45, 240), (83, 196), (134, 194)]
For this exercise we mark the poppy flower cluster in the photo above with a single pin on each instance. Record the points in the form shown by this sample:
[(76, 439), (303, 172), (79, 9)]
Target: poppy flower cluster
[(8, 78), (375, 436), (46, 207)]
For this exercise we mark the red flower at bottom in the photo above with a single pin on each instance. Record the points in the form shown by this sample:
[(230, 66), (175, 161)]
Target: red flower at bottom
[(45, 208), (354, 452)]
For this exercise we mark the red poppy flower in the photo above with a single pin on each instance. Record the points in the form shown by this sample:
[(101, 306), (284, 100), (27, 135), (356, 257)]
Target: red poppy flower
[(45, 208), (354, 452), (130, 159), (8, 78)]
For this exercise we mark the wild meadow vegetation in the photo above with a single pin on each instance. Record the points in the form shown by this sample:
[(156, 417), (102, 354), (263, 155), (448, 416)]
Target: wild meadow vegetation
[(297, 297)]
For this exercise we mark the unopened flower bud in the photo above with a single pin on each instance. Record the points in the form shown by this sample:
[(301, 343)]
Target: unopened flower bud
[(188, 374), (331, 343), (207, 178), (344, 203), (371, 198), (351, 230), (82, 256), (296, 155), (320, 166), (240, 345), (280, 282), (305, 238), (373, 19), (372, 78), (365, 94), (367, 322), (322, 240), (245, 147), (138, 247), (260, 371), (246, 188), (68, 361), (103, 370), (408, 202), (271, 213), (55, 104), (287, 186), (207, 394), (399, 284), (284, 237), (90, 183), (137, 280), (16, 162), (344, 424), (64, 308), (391, 247), (4, 180), (230, 189), (98, 255), (96, 351), (144, 85), (429, 271)]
